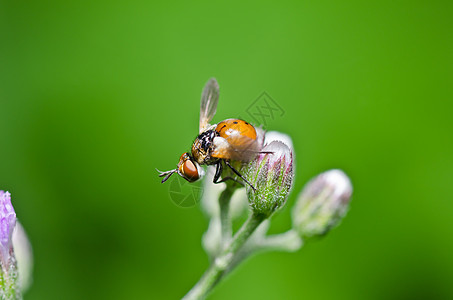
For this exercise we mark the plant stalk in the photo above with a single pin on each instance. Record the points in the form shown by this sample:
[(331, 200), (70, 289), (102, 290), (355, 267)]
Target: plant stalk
[(225, 220), (223, 261)]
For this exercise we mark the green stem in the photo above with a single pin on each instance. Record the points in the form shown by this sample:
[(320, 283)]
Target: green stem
[(225, 220), (222, 262), (288, 241)]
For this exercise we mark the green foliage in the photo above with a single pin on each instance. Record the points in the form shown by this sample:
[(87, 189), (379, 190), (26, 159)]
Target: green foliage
[(95, 95)]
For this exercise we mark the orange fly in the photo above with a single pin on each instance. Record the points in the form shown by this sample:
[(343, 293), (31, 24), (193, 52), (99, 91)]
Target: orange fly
[(218, 144)]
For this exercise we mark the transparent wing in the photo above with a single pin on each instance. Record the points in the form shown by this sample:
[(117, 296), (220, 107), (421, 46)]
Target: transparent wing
[(209, 100), (236, 147)]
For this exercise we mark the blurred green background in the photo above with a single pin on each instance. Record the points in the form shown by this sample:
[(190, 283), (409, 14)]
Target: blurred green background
[(95, 95)]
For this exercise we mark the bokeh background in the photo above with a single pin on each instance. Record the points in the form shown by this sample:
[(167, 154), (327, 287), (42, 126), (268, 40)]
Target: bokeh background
[(94, 95)]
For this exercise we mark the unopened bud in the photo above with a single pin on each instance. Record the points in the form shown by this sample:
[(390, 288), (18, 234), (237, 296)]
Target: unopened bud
[(322, 204), (271, 173), (14, 246), (24, 256), (7, 224)]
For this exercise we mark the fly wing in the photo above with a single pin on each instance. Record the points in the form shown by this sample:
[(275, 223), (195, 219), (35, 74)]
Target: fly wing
[(236, 147), (209, 100)]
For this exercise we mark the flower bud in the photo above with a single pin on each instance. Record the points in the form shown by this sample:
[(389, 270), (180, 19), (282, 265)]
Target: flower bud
[(9, 288), (24, 256), (13, 240), (322, 204), (7, 224), (271, 136), (271, 173)]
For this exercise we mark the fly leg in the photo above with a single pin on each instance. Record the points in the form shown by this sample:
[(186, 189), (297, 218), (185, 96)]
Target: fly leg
[(218, 172), (239, 174)]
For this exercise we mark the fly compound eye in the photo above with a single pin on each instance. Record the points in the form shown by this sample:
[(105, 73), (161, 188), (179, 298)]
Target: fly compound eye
[(190, 171)]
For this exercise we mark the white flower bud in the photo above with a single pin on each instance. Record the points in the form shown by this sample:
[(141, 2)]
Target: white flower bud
[(322, 204)]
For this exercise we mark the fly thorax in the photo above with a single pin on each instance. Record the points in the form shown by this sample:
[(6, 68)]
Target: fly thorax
[(203, 145)]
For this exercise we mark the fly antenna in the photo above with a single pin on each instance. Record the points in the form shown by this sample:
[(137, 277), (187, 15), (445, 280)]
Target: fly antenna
[(166, 174)]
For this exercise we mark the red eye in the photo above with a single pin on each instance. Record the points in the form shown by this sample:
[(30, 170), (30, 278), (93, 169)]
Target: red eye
[(190, 171)]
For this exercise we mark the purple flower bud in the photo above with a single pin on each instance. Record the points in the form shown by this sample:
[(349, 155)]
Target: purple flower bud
[(271, 173), (7, 224), (322, 204)]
